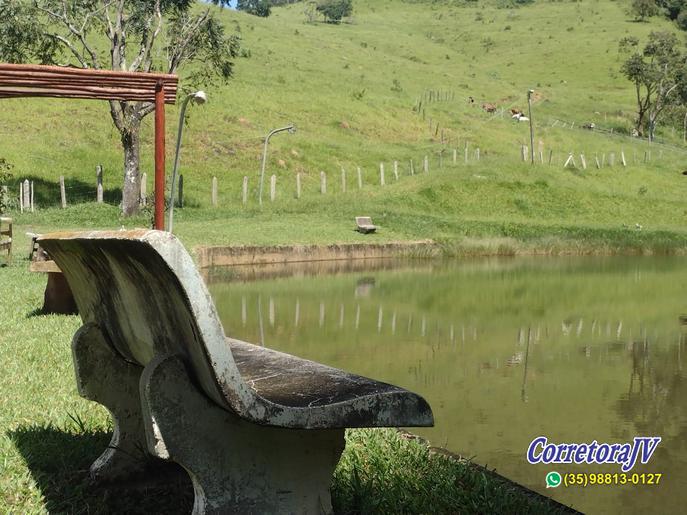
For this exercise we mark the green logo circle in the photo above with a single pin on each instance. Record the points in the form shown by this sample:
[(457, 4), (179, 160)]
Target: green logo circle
[(553, 480)]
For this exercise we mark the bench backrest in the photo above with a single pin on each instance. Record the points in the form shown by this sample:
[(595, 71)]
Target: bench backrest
[(363, 220), (144, 291), (6, 226)]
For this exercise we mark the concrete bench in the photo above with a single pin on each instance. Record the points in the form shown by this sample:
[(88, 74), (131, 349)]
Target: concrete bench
[(258, 431), (364, 224), (6, 237)]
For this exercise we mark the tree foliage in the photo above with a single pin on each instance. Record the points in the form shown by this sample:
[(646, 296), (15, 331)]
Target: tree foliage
[(141, 36), (643, 9), (335, 10), (659, 74), (261, 8)]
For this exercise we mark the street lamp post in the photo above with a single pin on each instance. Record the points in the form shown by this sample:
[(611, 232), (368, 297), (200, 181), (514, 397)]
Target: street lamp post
[(199, 97), (291, 129), (529, 109)]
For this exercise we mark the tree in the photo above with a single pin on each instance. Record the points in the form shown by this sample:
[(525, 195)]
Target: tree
[(142, 35), (335, 10), (643, 9), (261, 8), (658, 74)]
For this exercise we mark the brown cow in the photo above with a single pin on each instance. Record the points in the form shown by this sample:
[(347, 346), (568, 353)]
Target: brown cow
[(489, 108)]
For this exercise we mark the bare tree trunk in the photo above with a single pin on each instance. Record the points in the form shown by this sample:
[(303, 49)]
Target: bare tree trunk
[(132, 178)]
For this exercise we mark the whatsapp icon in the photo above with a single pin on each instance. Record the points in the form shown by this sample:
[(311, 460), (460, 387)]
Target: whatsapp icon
[(553, 480)]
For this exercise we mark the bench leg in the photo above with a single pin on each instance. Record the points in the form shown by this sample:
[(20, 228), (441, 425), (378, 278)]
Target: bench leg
[(104, 376), (236, 466)]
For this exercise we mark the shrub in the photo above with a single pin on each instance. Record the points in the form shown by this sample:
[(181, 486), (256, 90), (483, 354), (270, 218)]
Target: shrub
[(5, 177)]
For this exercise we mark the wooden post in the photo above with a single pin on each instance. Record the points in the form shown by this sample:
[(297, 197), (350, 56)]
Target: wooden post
[(645, 157), (143, 195), (381, 174), (31, 196), (360, 179), (63, 193), (180, 189), (550, 156), (466, 153), (412, 168), (584, 162), (622, 158), (396, 169), (99, 184), (596, 158), (214, 192), (477, 154), (159, 222), (298, 185), (21, 197), (455, 155), (273, 188), (523, 152), (27, 195), (426, 164), (570, 158), (323, 183)]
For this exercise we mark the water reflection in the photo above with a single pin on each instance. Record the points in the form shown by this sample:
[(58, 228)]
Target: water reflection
[(504, 350)]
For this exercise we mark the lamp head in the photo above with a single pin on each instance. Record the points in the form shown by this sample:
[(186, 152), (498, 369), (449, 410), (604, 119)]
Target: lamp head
[(199, 97)]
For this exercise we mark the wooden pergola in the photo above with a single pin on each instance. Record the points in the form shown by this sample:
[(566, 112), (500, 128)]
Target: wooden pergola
[(24, 80)]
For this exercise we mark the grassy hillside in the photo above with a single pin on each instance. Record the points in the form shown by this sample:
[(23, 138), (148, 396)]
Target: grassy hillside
[(351, 90)]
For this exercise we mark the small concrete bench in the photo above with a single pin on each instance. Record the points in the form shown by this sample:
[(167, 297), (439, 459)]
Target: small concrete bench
[(364, 224), (6, 237), (258, 431)]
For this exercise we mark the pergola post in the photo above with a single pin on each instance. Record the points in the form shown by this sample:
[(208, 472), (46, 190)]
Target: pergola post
[(160, 156)]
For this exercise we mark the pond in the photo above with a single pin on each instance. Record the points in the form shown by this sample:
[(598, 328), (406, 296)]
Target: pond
[(504, 350)]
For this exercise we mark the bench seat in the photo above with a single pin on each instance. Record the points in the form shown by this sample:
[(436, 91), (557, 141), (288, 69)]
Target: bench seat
[(316, 395)]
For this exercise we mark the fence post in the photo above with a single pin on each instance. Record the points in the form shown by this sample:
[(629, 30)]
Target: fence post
[(343, 180), (273, 188), (381, 174), (63, 193), (455, 155), (32, 196), (21, 197), (622, 158), (99, 184), (298, 185), (550, 156), (412, 168), (466, 154), (323, 183), (214, 192), (143, 193), (426, 165), (596, 158), (477, 154), (27, 194), (523, 152), (180, 189), (360, 179), (567, 161), (396, 169), (584, 162)]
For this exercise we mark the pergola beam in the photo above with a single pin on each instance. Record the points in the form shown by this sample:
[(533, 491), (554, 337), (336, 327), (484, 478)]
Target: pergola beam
[(25, 80)]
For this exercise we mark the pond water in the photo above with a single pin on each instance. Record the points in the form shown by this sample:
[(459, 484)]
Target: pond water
[(504, 350)]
